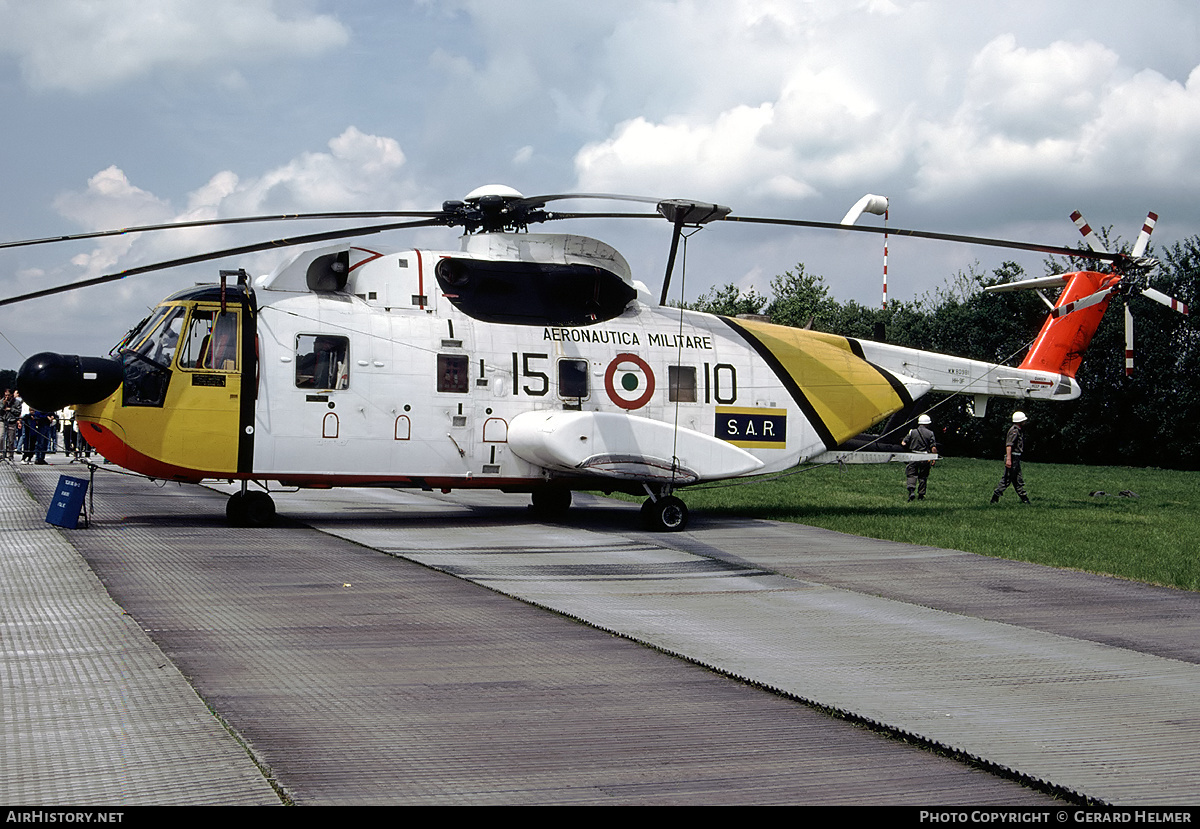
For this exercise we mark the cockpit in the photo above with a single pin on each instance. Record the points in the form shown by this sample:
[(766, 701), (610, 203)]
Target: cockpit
[(191, 332)]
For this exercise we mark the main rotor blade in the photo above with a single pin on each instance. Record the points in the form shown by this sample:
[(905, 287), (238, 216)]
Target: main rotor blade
[(540, 201), (1169, 301), (221, 254), (281, 217), (556, 216), (1055, 281), (944, 237)]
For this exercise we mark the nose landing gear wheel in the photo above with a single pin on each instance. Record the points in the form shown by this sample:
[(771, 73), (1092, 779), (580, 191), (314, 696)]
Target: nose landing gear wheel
[(253, 508), (667, 514)]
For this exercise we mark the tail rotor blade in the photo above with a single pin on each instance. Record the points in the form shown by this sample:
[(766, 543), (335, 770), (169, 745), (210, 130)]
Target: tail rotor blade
[(1143, 239), (1088, 234), (1086, 302), (1128, 342), (1169, 301)]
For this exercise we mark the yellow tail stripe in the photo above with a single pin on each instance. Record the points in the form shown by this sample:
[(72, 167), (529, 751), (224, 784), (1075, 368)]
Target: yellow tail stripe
[(846, 392)]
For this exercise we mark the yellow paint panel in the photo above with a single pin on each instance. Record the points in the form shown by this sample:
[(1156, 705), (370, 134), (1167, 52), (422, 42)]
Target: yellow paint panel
[(749, 410), (198, 425), (196, 428), (846, 392)]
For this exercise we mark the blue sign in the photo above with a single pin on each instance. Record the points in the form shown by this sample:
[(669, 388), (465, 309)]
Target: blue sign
[(752, 428), (67, 503)]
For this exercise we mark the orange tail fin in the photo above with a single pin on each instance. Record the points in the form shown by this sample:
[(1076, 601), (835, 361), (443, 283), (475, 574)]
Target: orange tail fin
[(1060, 345)]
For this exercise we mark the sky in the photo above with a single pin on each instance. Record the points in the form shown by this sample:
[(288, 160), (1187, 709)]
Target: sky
[(994, 118)]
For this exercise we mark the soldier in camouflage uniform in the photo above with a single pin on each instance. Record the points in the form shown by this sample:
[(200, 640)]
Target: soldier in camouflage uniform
[(1014, 447), (920, 439)]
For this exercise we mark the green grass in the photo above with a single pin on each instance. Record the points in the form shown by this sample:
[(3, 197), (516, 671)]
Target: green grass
[(1153, 538)]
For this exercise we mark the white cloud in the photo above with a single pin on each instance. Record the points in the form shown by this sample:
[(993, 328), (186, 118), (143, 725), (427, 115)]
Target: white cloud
[(82, 45), (111, 201), (1069, 114), (359, 172), (710, 158), (970, 116), (1005, 116), (1035, 92)]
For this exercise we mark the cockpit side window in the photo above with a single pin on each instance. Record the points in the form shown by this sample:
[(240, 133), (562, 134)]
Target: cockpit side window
[(322, 362), (211, 341)]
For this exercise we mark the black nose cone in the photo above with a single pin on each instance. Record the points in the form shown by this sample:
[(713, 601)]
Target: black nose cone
[(50, 381)]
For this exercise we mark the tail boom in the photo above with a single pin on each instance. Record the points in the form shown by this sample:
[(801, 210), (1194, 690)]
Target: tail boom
[(1060, 344)]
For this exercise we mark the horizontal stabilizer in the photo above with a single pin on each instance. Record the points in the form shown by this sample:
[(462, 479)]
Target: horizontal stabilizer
[(865, 456)]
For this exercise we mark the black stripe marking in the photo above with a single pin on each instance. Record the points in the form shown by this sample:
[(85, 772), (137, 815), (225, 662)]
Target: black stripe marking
[(249, 391), (893, 381)]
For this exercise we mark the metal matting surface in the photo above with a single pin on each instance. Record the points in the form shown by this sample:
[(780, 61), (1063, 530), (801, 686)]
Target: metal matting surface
[(1147, 618), (91, 711), (1110, 723), (363, 678)]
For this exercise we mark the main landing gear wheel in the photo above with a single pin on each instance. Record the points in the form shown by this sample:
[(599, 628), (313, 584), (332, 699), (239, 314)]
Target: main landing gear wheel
[(551, 502), (252, 508), (667, 514)]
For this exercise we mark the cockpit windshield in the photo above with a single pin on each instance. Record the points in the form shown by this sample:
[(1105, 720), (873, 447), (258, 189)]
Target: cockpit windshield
[(161, 340), (147, 356)]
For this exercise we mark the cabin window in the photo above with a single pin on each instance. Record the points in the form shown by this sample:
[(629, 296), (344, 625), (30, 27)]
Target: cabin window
[(681, 381), (211, 341), (573, 378), (452, 371), (322, 362)]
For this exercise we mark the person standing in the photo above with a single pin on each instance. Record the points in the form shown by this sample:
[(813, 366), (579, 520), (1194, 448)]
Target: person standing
[(919, 439), (1014, 447), (26, 433), (42, 423), (10, 424), (67, 419)]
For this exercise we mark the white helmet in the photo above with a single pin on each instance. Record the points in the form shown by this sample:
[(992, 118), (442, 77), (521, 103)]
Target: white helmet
[(1019, 417), (924, 420)]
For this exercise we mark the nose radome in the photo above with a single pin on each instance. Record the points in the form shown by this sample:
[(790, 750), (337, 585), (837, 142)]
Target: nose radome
[(49, 381)]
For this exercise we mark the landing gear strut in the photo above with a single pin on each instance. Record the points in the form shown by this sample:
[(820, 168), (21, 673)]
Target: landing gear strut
[(250, 508), (664, 512)]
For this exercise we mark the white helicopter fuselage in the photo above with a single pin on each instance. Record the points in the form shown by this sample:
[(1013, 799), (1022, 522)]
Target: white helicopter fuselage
[(382, 377)]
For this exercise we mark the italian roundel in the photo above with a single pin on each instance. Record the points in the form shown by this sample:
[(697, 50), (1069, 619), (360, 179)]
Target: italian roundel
[(629, 381)]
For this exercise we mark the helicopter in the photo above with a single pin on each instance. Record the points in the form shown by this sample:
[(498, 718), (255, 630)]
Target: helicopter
[(521, 361)]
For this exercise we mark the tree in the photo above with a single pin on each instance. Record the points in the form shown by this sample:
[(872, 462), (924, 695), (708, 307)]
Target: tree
[(1145, 420), (799, 298), (728, 301)]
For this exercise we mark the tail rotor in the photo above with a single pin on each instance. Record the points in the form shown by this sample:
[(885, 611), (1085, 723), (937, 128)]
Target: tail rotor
[(1128, 277), (1131, 273)]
